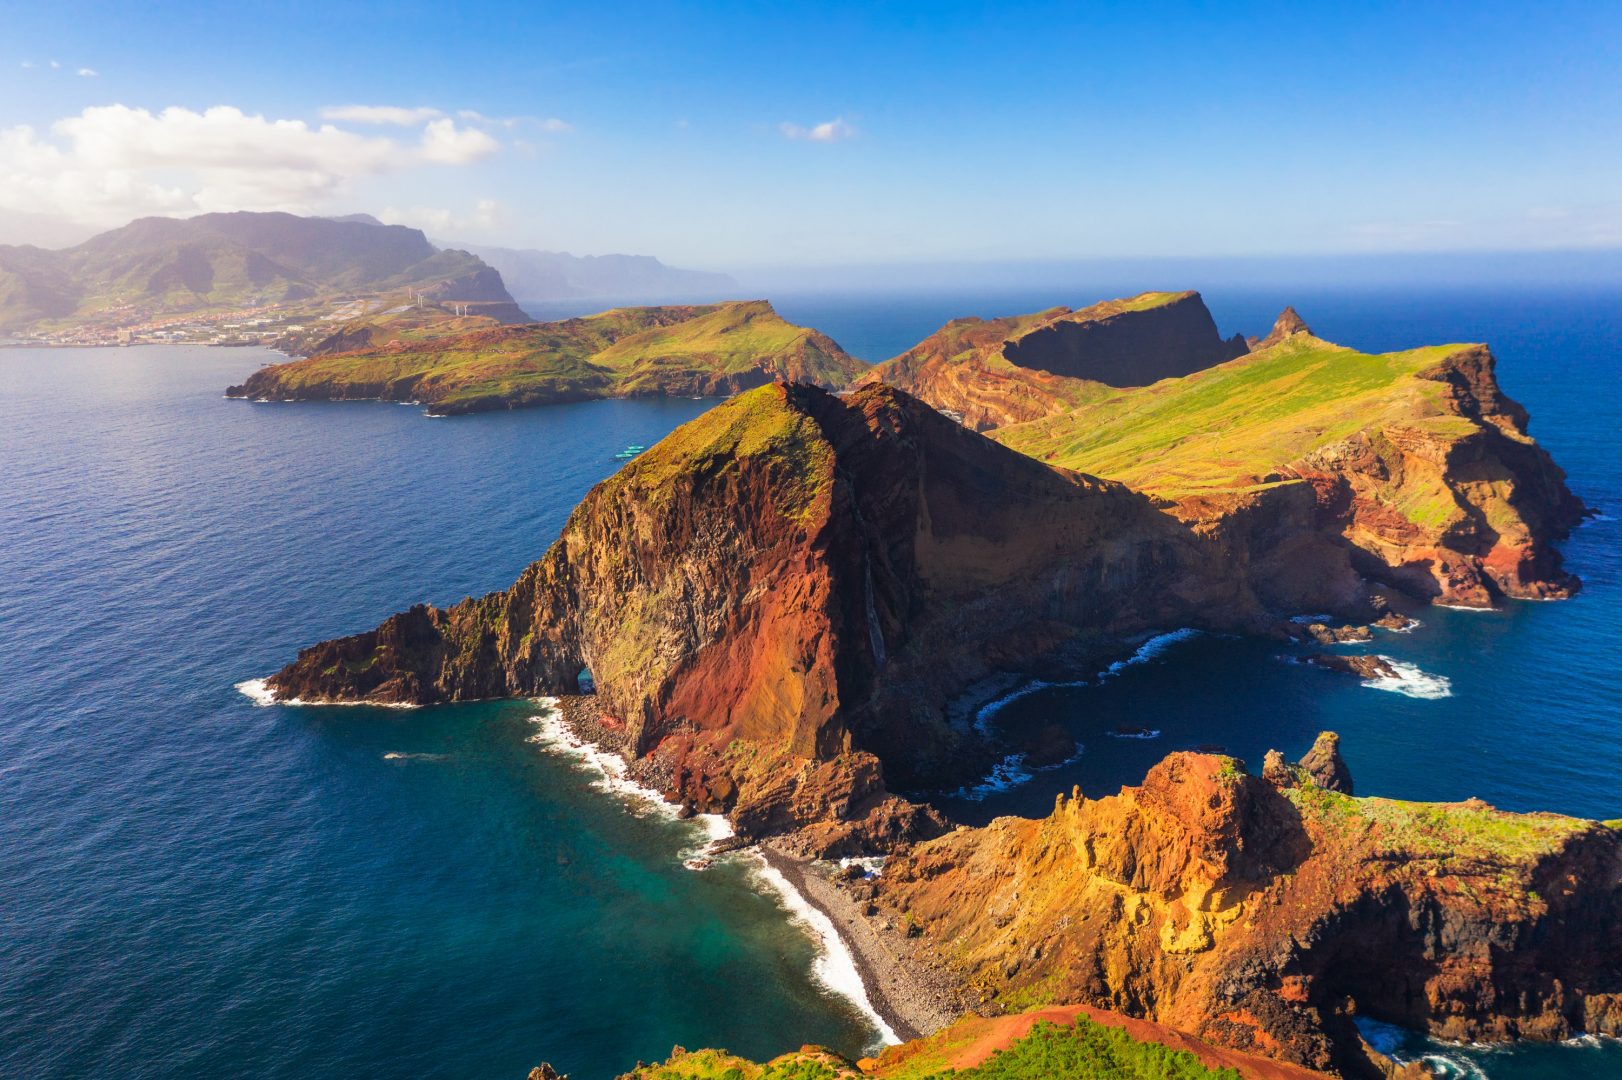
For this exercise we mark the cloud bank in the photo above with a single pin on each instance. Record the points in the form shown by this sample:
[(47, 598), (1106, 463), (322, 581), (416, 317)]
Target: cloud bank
[(111, 163)]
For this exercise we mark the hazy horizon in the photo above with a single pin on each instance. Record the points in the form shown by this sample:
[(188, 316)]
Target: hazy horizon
[(729, 136)]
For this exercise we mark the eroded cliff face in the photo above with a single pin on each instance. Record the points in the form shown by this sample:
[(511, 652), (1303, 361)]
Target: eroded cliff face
[(809, 577), (1262, 915), (1412, 468), (1127, 342), (995, 372)]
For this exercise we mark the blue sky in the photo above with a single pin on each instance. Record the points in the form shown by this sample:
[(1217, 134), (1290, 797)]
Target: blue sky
[(734, 135)]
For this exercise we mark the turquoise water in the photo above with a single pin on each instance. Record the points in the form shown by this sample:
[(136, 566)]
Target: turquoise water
[(197, 887)]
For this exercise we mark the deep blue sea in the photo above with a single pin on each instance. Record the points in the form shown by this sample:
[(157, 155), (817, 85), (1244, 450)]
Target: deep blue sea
[(193, 886)]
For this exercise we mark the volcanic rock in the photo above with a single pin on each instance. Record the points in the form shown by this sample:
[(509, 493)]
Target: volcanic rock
[(1325, 766)]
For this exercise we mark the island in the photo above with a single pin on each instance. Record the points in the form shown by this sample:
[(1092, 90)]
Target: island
[(689, 351), (791, 610)]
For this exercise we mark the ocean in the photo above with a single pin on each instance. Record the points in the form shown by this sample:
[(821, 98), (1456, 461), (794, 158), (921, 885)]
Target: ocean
[(198, 886)]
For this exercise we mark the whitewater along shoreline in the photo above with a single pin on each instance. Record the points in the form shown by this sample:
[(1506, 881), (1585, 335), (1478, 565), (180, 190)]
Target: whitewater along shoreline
[(915, 996), (904, 991)]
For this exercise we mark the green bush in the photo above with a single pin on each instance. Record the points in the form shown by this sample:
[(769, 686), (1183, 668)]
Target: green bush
[(1089, 1051)]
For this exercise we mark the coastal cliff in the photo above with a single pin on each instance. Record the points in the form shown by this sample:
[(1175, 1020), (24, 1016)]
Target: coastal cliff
[(689, 351), (994, 372), (1414, 467), (1264, 914), (799, 577)]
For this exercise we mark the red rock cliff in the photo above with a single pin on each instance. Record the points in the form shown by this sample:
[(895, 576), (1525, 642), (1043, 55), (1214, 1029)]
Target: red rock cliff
[(1262, 915)]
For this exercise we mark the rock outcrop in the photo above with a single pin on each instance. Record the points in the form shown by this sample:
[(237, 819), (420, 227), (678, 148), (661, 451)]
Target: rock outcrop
[(993, 372), (808, 574), (1325, 766), (1263, 917)]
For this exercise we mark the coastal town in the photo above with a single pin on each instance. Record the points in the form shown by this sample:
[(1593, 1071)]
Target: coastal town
[(263, 324)]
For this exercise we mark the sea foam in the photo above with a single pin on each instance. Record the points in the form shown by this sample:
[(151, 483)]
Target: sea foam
[(1411, 681), (1152, 648), (258, 691), (834, 967), (612, 775)]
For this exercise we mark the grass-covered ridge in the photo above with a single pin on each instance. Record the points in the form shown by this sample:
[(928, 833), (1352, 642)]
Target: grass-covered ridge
[(1469, 831), (1236, 424), (1083, 1050), (682, 350)]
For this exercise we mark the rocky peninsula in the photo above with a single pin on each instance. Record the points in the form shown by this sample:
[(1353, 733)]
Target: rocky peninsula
[(709, 350), (784, 607)]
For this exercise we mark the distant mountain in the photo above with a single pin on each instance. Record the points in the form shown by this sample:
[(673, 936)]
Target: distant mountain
[(154, 268), (556, 275)]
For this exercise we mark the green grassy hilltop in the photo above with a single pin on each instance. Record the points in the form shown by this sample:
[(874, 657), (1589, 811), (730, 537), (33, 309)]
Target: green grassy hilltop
[(1235, 424), (694, 351)]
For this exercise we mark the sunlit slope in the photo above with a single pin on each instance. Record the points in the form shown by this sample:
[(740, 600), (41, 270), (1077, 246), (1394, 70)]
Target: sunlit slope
[(1240, 423), (703, 350)]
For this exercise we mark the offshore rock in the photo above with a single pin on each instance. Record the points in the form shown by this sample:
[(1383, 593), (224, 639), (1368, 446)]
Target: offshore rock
[(1325, 766)]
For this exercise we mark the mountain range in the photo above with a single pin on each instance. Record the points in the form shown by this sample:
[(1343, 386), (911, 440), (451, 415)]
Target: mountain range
[(555, 275)]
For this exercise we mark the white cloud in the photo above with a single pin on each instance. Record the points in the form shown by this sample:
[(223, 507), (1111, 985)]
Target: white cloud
[(55, 64), (443, 224), (87, 73), (399, 115), (446, 144), (113, 162), (549, 124), (834, 130)]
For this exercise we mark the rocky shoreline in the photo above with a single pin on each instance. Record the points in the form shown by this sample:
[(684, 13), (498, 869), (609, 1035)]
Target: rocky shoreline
[(914, 995)]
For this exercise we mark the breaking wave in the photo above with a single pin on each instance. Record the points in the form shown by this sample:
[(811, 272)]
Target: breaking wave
[(1011, 772), (1412, 682), (834, 967), (1151, 649), (612, 775)]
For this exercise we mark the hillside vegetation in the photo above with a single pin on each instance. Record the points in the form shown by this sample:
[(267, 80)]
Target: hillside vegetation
[(1236, 424), (156, 268), (1079, 1050), (993, 372), (705, 350)]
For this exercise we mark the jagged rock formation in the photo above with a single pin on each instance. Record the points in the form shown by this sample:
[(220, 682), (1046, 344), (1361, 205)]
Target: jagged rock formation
[(813, 574), (993, 372), (1410, 468), (1288, 324), (1261, 916), (1325, 766), (708, 351)]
